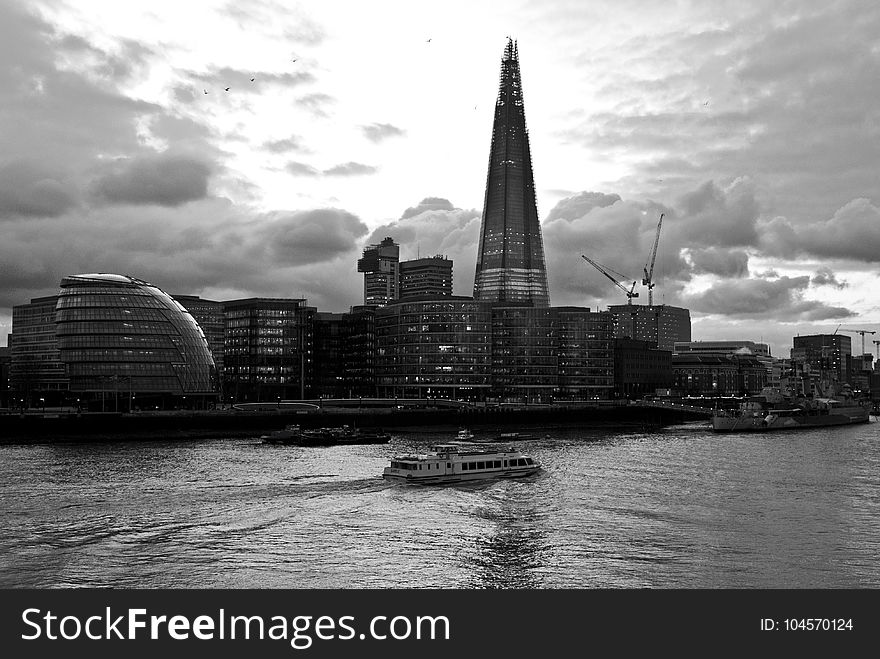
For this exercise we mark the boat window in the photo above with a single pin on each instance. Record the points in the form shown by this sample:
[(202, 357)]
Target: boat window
[(505, 463), (449, 465), (529, 461), (465, 466), (481, 465)]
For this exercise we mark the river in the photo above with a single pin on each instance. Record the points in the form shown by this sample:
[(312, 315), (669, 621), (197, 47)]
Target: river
[(678, 507)]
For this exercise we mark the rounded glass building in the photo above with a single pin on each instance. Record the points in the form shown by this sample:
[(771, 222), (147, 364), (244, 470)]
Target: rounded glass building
[(124, 338)]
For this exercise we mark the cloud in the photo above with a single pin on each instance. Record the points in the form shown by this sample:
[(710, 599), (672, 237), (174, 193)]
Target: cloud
[(380, 132), (292, 143), (204, 247), (825, 277), (428, 204), (852, 232), (316, 103), (164, 179), (301, 169), (276, 18), (719, 261), (31, 190), (580, 204), (779, 300), (351, 169), (306, 237), (218, 79), (436, 226)]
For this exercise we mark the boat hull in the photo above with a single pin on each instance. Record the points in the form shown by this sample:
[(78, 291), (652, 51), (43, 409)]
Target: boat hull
[(839, 417), (441, 479)]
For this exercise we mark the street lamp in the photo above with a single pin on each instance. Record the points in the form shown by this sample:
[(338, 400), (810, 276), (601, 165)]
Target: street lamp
[(43, 402)]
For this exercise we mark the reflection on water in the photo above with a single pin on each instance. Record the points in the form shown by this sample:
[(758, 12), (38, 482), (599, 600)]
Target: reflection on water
[(679, 507)]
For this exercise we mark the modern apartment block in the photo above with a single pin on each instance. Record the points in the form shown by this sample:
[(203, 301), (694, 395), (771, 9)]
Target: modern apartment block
[(426, 276), (380, 264)]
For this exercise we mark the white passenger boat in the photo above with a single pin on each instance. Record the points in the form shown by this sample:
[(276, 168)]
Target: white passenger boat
[(455, 462)]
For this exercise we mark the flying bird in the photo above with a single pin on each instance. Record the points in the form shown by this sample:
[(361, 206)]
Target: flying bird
[(206, 91), (227, 89), (428, 41), (252, 79), (706, 103)]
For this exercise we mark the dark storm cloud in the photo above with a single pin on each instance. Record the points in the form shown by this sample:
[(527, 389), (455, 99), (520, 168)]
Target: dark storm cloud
[(784, 92), (60, 116), (166, 180), (720, 261), (292, 143), (722, 217), (380, 132), (853, 232), (306, 237), (209, 244), (31, 190), (779, 300), (350, 169), (825, 277)]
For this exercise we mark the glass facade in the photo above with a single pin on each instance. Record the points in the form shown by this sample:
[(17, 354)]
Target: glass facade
[(209, 316), (524, 354), (471, 350), (510, 259), (268, 349), (586, 353), (660, 324), (35, 369), (436, 347), (116, 333), (428, 276), (827, 354)]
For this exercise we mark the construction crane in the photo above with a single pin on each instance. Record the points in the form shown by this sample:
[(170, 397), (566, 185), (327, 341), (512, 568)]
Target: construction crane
[(877, 348), (608, 272), (858, 331), (648, 279)]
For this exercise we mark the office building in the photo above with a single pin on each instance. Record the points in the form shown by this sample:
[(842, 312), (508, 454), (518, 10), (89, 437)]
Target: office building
[(825, 355), (268, 354), (661, 325), (127, 344), (380, 264), (510, 259), (209, 316), (36, 373), (431, 276), (434, 347), (716, 375), (640, 368)]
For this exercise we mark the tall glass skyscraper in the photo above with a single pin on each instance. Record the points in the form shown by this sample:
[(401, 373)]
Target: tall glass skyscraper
[(510, 260)]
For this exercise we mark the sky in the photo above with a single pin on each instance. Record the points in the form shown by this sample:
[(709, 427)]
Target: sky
[(752, 126)]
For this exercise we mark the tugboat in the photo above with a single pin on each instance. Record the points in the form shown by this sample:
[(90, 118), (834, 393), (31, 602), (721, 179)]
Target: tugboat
[(455, 462), (774, 410)]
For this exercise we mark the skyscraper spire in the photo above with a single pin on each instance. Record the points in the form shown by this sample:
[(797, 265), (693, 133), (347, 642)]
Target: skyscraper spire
[(510, 260)]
